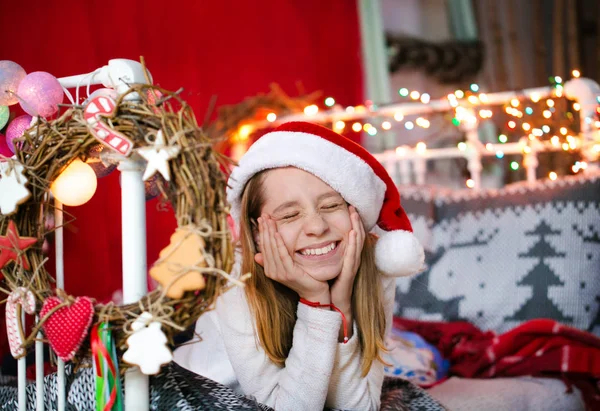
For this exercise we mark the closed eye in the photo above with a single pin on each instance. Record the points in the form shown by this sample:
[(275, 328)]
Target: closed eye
[(332, 206), (289, 216)]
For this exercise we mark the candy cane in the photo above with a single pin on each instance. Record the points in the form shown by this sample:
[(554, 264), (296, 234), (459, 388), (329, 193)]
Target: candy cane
[(14, 328), (105, 106)]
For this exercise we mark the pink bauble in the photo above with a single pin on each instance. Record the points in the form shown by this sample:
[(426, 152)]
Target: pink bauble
[(4, 149), (11, 74), (40, 93), (16, 129)]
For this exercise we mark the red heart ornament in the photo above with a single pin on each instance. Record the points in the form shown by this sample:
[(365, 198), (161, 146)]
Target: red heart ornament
[(68, 326)]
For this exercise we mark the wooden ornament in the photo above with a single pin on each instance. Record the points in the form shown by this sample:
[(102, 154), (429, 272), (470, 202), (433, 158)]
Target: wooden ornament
[(12, 246), (12, 187), (158, 156), (178, 260), (147, 346)]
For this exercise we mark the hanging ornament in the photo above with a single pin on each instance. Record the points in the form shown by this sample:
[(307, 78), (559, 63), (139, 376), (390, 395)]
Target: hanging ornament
[(23, 298), (16, 129), (95, 161), (174, 269), (12, 247), (12, 186), (5, 150), (4, 116), (103, 92), (104, 106), (11, 75), (106, 369), (40, 93), (158, 156), (67, 326), (147, 345), (151, 187)]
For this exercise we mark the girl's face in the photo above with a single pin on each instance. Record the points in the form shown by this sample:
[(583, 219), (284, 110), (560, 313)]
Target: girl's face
[(312, 219)]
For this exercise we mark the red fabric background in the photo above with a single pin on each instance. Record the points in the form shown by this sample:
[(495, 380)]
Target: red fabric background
[(228, 48)]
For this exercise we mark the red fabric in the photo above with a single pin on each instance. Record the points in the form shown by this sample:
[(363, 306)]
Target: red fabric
[(392, 216), (537, 347), (228, 48)]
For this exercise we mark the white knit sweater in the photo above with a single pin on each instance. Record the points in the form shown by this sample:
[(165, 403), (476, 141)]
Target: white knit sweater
[(318, 372)]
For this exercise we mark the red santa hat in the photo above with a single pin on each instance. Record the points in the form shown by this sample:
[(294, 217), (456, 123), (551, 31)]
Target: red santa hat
[(351, 171)]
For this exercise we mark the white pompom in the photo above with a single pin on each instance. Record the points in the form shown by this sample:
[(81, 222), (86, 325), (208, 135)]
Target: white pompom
[(398, 253)]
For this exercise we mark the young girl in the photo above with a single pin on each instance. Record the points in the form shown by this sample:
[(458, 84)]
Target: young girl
[(307, 330)]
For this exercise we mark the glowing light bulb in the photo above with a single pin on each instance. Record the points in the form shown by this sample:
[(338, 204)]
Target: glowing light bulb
[(75, 185), (422, 122), (535, 97), (340, 125), (462, 146), (515, 102), (576, 73), (526, 126), (409, 125), (512, 124), (514, 165), (271, 117), (550, 103), (400, 151), (398, 116), (576, 106), (547, 114), (386, 125), (425, 98), (356, 127), (329, 101), (470, 183), (245, 131), (553, 176), (563, 131), (459, 93), (415, 95), (311, 110), (421, 147), (502, 138)]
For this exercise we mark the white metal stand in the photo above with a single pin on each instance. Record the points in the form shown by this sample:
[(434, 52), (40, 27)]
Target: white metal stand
[(60, 283), (135, 284)]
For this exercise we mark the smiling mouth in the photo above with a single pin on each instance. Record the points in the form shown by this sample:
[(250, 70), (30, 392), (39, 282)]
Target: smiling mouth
[(319, 252)]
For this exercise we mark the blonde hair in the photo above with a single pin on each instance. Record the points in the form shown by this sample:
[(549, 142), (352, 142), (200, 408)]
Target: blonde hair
[(274, 305)]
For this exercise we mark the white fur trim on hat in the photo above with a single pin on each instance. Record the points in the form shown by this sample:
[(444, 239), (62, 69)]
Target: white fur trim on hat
[(399, 253), (343, 171)]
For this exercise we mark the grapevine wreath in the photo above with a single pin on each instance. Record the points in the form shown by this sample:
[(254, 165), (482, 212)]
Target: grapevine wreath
[(158, 130)]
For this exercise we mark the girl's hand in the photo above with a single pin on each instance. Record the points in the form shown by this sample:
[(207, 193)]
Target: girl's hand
[(341, 289), (279, 265)]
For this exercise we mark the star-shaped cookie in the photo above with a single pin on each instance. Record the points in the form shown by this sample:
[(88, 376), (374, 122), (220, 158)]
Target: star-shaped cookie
[(158, 156)]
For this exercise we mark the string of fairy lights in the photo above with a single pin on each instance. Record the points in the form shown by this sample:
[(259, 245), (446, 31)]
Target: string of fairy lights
[(531, 119)]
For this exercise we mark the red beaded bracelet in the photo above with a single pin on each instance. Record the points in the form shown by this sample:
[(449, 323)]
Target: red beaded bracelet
[(319, 305)]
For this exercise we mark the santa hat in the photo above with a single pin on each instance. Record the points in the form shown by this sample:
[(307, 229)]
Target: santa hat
[(351, 171)]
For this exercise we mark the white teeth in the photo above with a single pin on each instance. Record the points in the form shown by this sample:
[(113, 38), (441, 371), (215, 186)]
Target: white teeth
[(318, 251)]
